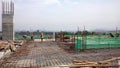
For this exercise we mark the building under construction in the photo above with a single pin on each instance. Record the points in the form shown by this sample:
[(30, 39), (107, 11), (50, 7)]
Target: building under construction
[(7, 20), (60, 50)]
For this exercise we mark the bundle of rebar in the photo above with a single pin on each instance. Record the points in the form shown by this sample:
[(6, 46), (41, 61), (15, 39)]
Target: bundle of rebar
[(7, 7)]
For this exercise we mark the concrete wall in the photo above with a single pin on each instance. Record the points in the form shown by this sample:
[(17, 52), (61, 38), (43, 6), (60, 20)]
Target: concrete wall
[(7, 27)]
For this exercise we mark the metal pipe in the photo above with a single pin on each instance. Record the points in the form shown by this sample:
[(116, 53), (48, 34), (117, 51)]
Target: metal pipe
[(116, 30), (8, 7), (3, 7), (11, 7)]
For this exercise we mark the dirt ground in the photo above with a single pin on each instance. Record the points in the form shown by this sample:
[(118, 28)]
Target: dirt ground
[(37, 55)]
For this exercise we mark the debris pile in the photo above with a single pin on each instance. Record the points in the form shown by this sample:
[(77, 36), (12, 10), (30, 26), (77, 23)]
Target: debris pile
[(7, 47)]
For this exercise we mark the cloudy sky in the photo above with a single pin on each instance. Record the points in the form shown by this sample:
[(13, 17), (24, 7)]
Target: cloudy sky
[(56, 15)]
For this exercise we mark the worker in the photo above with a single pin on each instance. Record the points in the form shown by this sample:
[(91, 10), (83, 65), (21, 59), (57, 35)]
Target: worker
[(25, 37), (111, 35), (117, 34), (32, 34), (41, 36)]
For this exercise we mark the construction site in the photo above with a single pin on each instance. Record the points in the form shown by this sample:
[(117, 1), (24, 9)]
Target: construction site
[(80, 49)]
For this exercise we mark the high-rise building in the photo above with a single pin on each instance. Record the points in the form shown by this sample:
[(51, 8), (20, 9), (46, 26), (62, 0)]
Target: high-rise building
[(7, 20)]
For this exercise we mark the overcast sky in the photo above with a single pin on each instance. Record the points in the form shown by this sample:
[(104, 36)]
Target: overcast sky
[(56, 15)]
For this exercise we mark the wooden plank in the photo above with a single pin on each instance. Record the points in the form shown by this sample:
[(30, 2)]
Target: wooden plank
[(119, 63), (85, 62)]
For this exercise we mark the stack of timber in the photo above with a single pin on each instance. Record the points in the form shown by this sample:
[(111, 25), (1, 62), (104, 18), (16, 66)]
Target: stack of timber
[(114, 62)]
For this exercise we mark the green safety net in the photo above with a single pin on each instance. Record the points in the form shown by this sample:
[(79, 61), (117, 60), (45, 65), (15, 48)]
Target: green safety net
[(78, 44), (98, 42)]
